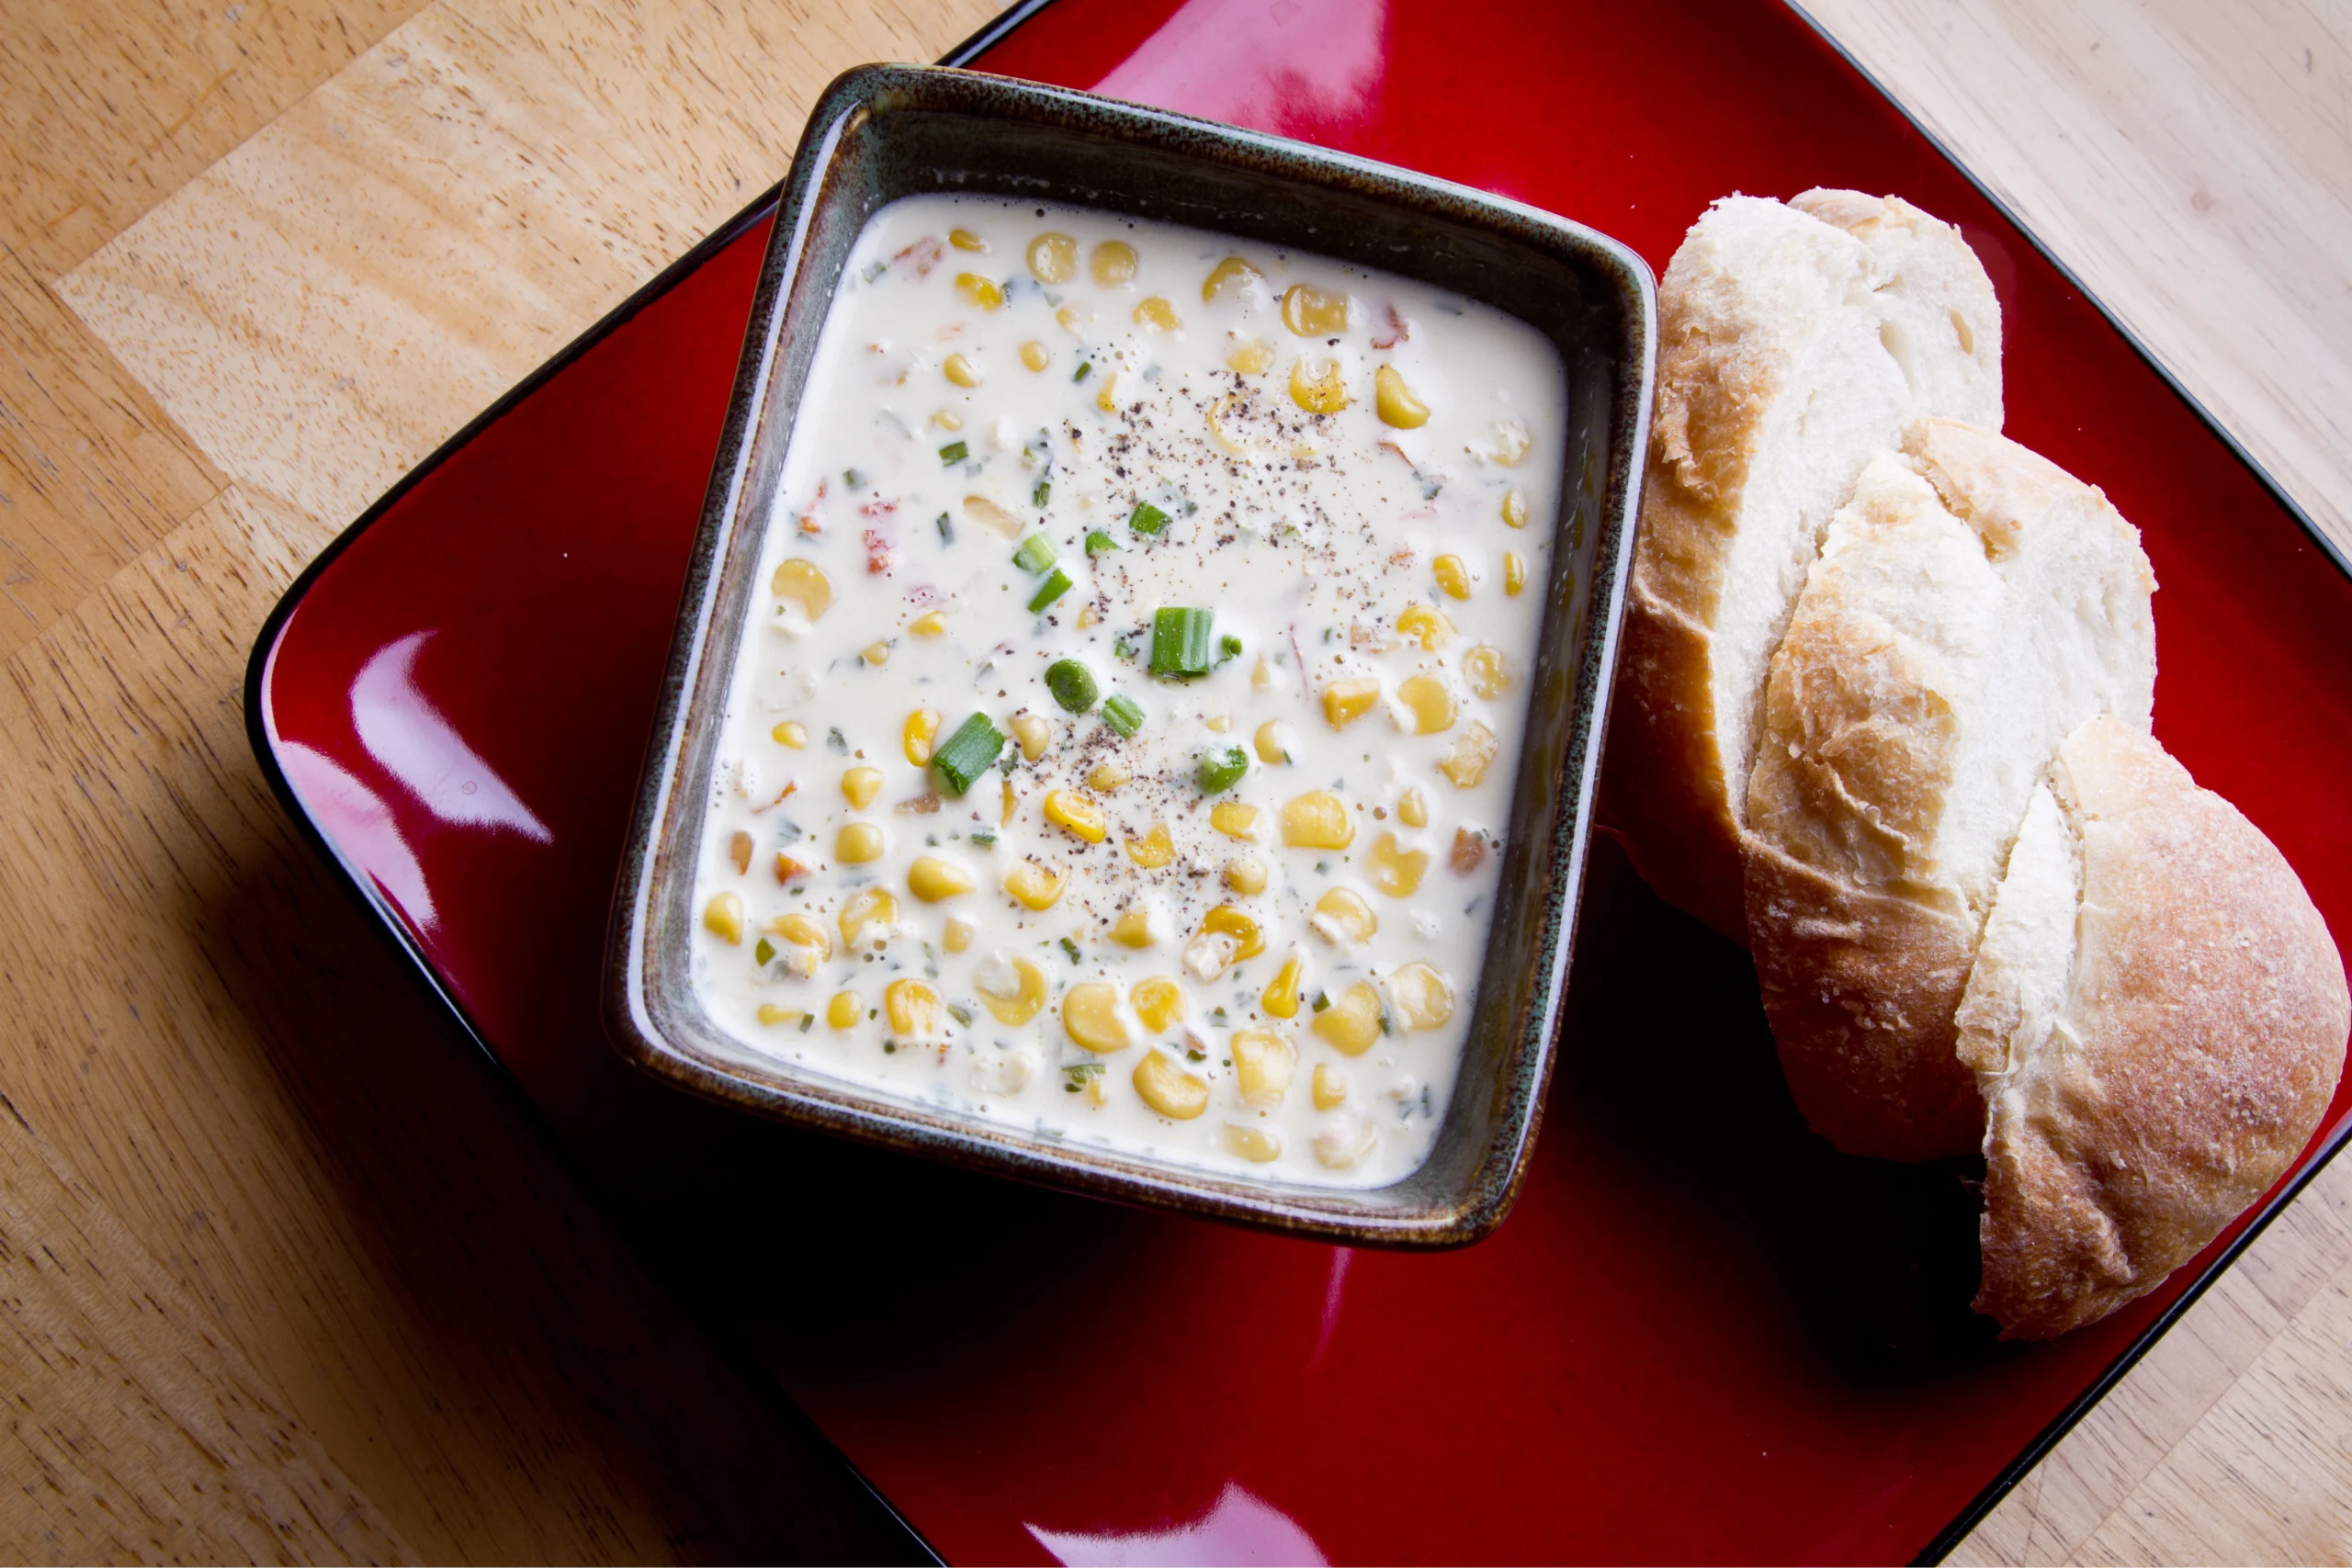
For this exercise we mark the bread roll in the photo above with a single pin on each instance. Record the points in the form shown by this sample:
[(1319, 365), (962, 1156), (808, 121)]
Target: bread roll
[(1972, 605), (1796, 340), (2157, 1019)]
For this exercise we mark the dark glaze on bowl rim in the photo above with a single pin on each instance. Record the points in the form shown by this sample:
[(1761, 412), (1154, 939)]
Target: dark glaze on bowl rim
[(881, 132)]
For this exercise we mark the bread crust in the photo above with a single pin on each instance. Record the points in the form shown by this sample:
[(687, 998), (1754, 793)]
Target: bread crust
[(1730, 341), (2200, 1041)]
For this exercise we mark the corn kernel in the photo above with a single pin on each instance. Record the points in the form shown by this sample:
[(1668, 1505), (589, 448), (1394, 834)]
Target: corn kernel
[(933, 623), (787, 868), (1114, 263), (1310, 313), (1262, 676), (1255, 1145), (790, 733), (1108, 776), (1514, 573), (1160, 1002), (1281, 998), (723, 918), (1220, 722), (1317, 386), (739, 852), (1153, 850), (978, 290), (1514, 509), (1235, 820), (860, 785), (1014, 990), (1249, 355), (805, 585), (1452, 576), (1268, 741), (965, 240), (947, 419), (1086, 616), (1107, 399), (1396, 870), (1073, 813), (1158, 315), (1169, 1088), (961, 371), (1072, 318), (1413, 807), (1422, 997), (843, 1010), (1037, 887), (1097, 1092), (1487, 671), (1513, 444), (1230, 276), (1342, 917), (1343, 1141), (1317, 820), (958, 936), (868, 909), (1344, 702), (1246, 875), (1330, 1086), (1473, 753), (920, 729), (857, 843), (1053, 258), (876, 653), (1133, 928), (1428, 700), (933, 879), (1011, 804), (1091, 1016), (1231, 919), (912, 1008), (1035, 355), (991, 516), (1034, 734), (771, 1014), (1263, 1063), (1395, 401), (1353, 1021), (805, 939), (1425, 624)]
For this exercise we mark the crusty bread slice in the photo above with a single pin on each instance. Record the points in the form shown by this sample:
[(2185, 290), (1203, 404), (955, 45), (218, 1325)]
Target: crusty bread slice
[(2157, 1019), (1796, 340), (1971, 606)]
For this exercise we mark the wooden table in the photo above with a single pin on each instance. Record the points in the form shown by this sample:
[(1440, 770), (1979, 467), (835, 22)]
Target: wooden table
[(282, 1273)]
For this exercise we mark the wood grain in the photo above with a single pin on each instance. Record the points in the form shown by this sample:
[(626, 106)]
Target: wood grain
[(282, 1273)]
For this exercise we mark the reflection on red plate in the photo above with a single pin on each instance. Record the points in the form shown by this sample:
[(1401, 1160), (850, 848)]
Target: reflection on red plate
[(1701, 1336)]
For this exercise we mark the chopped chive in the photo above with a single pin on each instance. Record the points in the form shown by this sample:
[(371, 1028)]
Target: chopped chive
[(1071, 948), (954, 453), (969, 752), (836, 742), (853, 478), (1035, 554), (946, 530), (1042, 494), (763, 952), (962, 1015), (1227, 646), (806, 1019), (1053, 589), (984, 837), (1147, 519), (1072, 684), (1220, 770), (1125, 647), (1097, 541), (1122, 714), (1180, 641), (1083, 367), (1320, 1002)]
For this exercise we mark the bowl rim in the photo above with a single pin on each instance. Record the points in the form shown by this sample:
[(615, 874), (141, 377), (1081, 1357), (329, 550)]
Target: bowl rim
[(842, 1107)]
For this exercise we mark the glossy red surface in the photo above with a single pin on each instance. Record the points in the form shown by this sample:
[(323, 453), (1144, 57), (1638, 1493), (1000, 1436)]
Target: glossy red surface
[(1700, 1336)]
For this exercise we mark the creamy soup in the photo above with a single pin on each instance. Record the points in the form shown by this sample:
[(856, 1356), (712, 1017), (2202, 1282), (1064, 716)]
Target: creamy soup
[(1122, 742)]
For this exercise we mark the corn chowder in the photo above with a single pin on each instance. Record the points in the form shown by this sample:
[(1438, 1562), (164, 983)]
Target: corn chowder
[(1121, 744)]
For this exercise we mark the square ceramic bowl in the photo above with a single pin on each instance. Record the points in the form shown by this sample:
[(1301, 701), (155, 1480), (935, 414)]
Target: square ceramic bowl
[(883, 132)]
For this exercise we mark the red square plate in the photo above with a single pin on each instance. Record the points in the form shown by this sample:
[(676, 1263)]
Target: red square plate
[(1701, 1336)]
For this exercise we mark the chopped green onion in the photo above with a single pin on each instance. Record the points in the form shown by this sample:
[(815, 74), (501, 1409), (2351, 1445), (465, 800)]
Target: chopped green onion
[(1180, 641), (1097, 541), (874, 270), (1147, 519), (984, 837), (1072, 684), (1077, 1073), (946, 530), (1220, 770), (853, 478), (1071, 948), (962, 1015), (1042, 494), (1122, 714), (763, 952), (1083, 367), (1035, 554), (953, 453), (1321, 1001), (836, 741), (1054, 588), (1227, 646), (969, 752)]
